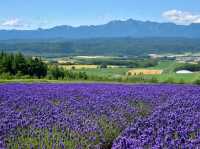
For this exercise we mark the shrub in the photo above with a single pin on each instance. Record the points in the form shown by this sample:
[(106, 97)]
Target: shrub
[(169, 80), (197, 81), (181, 81), (6, 75), (26, 77), (56, 73), (18, 75), (154, 80), (83, 75), (103, 66)]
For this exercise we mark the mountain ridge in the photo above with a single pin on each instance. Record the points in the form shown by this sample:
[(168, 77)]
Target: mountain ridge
[(115, 28)]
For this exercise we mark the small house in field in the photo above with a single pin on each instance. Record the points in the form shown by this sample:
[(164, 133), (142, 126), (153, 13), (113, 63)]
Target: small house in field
[(143, 72), (184, 72)]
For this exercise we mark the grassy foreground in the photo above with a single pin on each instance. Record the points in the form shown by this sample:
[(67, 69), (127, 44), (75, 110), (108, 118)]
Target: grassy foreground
[(164, 78)]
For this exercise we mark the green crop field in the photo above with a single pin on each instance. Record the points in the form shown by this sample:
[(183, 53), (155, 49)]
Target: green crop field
[(167, 66), (105, 71)]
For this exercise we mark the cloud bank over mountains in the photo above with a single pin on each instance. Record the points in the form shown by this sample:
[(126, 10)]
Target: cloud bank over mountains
[(181, 17), (174, 16), (13, 23), (20, 24)]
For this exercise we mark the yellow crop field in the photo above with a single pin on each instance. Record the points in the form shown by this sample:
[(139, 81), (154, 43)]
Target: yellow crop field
[(84, 66), (78, 66), (144, 72)]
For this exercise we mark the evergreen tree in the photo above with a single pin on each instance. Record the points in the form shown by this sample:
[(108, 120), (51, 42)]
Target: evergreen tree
[(57, 72), (19, 64)]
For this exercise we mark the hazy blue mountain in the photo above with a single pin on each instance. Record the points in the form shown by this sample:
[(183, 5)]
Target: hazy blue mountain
[(128, 28), (102, 46)]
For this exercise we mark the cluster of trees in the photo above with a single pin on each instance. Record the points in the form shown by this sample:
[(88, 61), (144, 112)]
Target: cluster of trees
[(20, 66), (128, 62), (190, 67), (57, 73), (17, 64), (143, 63)]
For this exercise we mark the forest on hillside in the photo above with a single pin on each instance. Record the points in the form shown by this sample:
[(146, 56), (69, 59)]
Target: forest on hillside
[(102, 46)]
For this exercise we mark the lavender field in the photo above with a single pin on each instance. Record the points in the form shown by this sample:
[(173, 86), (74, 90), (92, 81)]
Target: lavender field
[(99, 116)]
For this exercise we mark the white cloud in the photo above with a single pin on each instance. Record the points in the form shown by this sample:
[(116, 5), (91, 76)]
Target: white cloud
[(13, 23), (105, 18), (181, 17)]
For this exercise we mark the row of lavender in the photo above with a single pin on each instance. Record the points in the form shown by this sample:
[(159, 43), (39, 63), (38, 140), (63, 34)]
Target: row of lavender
[(173, 124), (93, 115)]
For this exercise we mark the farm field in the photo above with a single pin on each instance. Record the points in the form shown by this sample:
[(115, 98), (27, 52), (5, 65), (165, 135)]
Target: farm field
[(168, 74), (79, 66), (108, 72), (92, 70), (87, 70), (119, 75), (84, 66), (99, 116)]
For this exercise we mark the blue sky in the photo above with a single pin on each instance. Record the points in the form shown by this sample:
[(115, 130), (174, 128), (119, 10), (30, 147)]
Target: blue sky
[(28, 14)]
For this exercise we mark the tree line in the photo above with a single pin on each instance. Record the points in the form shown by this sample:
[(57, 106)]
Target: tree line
[(190, 67), (128, 62), (19, 66), (59, 73)]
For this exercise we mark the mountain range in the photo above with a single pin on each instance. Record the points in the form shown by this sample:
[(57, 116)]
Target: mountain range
[(117, 28)]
